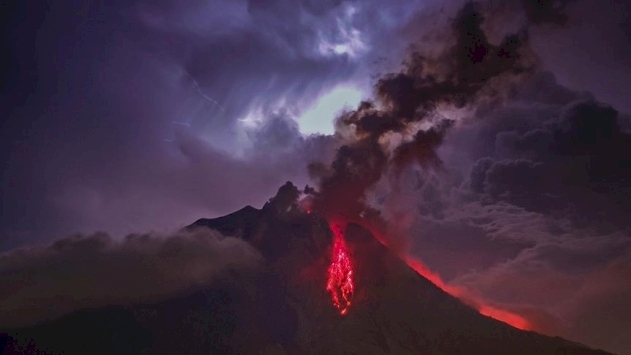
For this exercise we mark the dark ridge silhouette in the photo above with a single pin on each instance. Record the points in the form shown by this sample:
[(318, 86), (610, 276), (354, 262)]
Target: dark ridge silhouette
[(284, 308), (240, 223)]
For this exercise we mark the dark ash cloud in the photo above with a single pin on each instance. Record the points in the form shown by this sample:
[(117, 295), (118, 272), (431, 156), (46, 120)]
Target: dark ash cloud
[(576, 163), (468, 70), (546, 11), (544, 176)]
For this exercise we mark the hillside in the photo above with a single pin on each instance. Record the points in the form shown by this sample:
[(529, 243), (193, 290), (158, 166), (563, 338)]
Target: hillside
[(284, 308)]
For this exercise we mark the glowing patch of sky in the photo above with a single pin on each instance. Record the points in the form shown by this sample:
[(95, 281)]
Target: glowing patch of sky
[(318, 118)]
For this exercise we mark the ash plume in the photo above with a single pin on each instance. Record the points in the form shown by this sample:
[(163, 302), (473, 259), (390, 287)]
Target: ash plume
[(408, 106), (546, 11), (409, 119)]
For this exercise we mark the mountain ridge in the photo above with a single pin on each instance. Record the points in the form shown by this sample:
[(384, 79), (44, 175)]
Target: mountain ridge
[(284, 308)]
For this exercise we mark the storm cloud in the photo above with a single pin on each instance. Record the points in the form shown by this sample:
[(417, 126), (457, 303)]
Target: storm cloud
[(148, 115), (109, 108), (532, 197)]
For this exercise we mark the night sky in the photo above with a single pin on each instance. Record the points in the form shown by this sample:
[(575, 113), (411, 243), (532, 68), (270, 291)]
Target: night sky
[(139, 117)]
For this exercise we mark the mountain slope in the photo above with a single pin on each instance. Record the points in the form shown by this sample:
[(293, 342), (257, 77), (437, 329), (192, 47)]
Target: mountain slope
[(284, 308)]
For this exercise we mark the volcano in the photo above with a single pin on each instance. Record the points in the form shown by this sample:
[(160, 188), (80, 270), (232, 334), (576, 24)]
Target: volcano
[(315, 294)]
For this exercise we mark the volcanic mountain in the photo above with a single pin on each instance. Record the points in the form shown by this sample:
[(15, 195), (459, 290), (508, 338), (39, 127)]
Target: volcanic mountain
[(324, 288)]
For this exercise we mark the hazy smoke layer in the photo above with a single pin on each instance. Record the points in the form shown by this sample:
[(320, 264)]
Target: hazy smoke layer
[(44, 282)]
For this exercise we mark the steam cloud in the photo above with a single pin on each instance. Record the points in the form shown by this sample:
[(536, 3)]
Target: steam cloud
[(44, 282)]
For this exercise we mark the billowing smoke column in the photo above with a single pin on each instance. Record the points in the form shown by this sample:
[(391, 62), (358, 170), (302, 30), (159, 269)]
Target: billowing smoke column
[(466, 72), (407, 110), (340, 282)]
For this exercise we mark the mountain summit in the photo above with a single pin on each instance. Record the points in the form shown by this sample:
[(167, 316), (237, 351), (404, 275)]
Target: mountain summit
[(325, 287)]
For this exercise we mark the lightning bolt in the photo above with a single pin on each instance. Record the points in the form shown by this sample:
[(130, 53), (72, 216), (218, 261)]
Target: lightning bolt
[(201, 92)]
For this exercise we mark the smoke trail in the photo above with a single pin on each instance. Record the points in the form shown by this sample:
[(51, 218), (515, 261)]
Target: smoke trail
[(403, 125)]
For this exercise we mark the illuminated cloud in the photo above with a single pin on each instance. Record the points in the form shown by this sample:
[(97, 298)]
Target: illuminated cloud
[(344, 39), (318, 118)]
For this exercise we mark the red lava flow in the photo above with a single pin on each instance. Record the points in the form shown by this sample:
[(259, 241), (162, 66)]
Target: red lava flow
[(340, 273), (340, 283), (467, 297)]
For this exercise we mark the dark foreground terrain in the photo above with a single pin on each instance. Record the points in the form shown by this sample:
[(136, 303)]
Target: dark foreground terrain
[(285, 309)]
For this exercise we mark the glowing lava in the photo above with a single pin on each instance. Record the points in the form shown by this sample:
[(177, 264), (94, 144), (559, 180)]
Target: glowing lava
[(464, 294), (340, 281), (469, 298), (507, 317)]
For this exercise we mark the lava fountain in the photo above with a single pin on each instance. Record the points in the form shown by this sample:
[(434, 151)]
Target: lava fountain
[(340, 273)]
